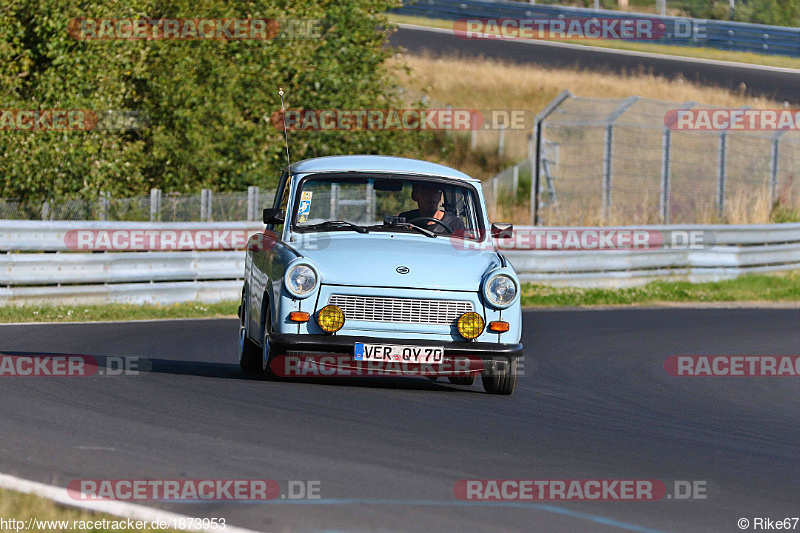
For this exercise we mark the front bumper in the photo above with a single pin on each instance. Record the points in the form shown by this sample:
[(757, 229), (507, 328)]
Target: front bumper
[(343, 344)]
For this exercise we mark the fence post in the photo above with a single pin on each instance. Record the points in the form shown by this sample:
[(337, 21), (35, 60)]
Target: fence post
[(370, 202), (473, 136), (501, 142), (666, 145), (537, 156), (334, 201), (721, 177), (252, 202), (514, 182), (449, 131), (103, 215), (155, 205), (205, 205), (608, 154), (45, 210), (666, 153), (774, 165)]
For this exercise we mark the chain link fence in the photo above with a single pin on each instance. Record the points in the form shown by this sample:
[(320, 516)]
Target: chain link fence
[(615, 161), (155, 207)]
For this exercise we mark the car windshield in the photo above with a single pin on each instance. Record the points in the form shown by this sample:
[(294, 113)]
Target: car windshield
[(424, 205)]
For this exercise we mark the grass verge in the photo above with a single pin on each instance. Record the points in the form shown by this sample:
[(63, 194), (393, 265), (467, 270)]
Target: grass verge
[(89, 313), (780, 287), (23, 507), (637, 46), (784, 287)]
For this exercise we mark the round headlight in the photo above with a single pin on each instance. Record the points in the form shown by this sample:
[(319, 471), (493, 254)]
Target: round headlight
[(301, 280), (470, 325), (330, 318), (501, 290)]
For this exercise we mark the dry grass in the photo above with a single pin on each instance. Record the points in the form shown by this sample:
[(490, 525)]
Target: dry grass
[(483, 84)]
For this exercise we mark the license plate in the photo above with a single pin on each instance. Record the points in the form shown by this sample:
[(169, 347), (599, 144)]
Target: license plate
[(399, 352)]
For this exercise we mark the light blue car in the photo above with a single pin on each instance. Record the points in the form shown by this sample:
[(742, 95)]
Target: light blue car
[(381, 260)]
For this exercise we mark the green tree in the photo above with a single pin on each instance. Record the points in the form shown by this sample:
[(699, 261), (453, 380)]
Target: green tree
[(205, 100)]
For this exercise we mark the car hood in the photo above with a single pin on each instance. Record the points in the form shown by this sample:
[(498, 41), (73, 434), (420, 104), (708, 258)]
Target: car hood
[(374, 259)]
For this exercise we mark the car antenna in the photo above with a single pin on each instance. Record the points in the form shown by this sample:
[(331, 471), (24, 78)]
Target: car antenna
[(285, 132)]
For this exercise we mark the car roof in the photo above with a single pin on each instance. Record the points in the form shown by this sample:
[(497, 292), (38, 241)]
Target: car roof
[(377, 163)]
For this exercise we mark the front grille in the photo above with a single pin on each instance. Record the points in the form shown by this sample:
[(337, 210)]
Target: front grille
[(401, 310)]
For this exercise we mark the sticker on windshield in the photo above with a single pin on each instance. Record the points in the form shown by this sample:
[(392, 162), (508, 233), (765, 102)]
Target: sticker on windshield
[(305, 206)]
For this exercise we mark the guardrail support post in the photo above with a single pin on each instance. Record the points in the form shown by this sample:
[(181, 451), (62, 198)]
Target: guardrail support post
[(721, 177), (155, 205), (252, 203)]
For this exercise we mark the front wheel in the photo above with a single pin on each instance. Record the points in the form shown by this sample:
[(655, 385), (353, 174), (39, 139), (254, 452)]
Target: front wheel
[(266, 354), (249, 354), (501, 380)]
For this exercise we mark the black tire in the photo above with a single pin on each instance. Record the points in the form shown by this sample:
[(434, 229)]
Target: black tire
[(249, 352), (463, 380), (503, 380), (266, 353)]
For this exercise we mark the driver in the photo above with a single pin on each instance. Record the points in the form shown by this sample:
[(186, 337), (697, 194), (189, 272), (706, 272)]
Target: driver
[(428, 197)]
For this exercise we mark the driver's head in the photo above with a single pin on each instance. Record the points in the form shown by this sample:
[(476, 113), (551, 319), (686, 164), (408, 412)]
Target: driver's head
[(427, 195)]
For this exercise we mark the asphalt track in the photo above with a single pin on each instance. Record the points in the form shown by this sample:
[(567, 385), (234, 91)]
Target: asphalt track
[(778, 83), (387, 452)]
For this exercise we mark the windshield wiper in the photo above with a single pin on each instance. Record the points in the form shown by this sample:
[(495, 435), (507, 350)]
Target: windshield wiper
[(392, 222), (338, 224)]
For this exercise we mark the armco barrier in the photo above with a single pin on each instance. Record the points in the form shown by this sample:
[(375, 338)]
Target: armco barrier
[(36, 266), (681, 31)]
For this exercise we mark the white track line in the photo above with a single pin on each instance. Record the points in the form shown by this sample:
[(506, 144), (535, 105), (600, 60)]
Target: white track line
[(133, 511)]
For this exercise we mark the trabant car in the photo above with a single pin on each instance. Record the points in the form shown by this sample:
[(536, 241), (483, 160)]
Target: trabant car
[(382, 258)]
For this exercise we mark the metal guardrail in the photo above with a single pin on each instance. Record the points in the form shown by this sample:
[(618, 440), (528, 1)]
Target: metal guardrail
[(28, 274), (679, 31)]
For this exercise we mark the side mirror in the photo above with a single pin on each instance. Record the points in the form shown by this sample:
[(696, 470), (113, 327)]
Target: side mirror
[(502, 230), (273, 216)]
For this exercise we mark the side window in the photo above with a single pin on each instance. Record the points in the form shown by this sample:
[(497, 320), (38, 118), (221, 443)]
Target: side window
[(281, 202)]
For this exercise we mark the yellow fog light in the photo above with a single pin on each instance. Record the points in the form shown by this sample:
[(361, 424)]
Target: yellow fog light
[(330, 318), (470, 325)]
